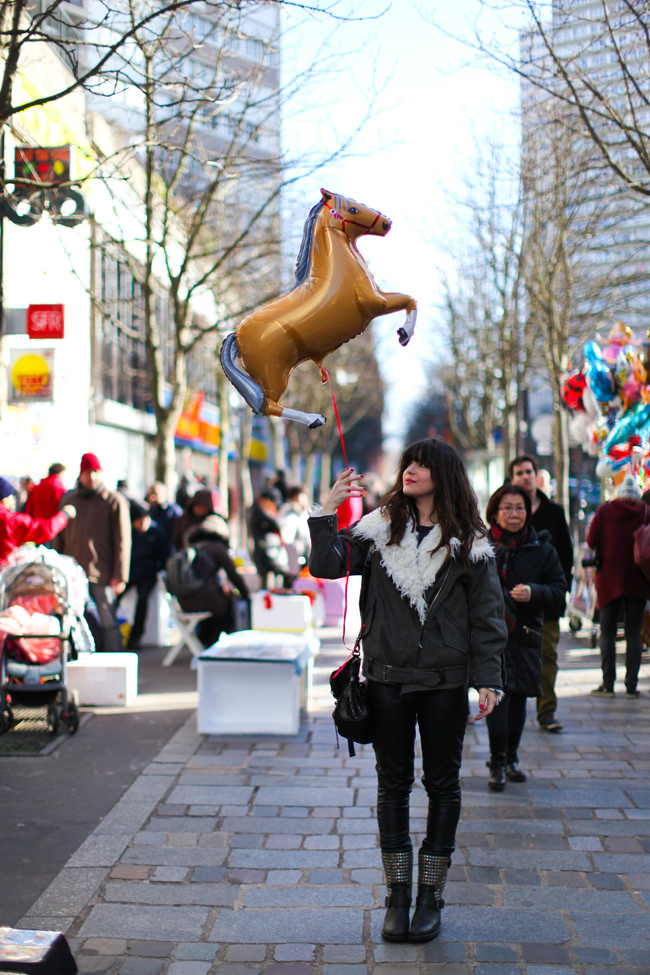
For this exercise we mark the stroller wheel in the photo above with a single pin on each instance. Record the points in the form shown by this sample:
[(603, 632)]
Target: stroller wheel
[(575, 624), (70, 717), (54, 717)]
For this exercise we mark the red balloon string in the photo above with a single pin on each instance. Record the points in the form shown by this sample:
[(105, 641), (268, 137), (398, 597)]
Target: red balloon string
[(326, 379)]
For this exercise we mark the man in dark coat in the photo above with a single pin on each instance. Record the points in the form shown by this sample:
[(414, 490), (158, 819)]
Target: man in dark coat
[(546, 516), (149, 552), (620, 583)]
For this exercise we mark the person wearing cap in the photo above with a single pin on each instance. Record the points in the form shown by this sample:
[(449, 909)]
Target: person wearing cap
[(99, 539), (45, 497), (621, 586), (149, 552), (19, 528)]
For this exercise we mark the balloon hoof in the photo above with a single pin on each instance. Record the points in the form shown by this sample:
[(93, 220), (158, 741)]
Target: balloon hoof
[(403, 336), (319, 421)]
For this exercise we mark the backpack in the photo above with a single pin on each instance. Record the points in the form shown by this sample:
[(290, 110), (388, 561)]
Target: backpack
[(187, 571)]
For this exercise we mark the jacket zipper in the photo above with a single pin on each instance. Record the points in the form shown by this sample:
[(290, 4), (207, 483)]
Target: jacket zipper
[(431, 605)]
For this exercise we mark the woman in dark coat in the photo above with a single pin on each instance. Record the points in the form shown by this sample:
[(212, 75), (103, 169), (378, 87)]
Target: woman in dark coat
[(533, 584), (432, 623), (213, 563), (620, 583)]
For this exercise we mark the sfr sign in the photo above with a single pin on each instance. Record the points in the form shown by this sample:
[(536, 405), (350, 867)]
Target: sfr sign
[(45, 321)]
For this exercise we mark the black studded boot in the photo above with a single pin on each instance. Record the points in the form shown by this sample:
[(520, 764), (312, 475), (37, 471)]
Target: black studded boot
[(398, 869), (432, 876), (497, 767), (513, 772)]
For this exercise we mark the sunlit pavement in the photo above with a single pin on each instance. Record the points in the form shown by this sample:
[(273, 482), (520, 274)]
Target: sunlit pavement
[(253, 855)]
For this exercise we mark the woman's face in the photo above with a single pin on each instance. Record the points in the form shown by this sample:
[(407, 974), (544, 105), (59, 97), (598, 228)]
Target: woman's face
[(511, 513), (417, 481)]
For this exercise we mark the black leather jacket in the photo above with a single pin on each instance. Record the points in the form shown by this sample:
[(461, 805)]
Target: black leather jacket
[(422, 627)]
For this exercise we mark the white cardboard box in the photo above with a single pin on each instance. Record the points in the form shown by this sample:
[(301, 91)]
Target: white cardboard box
[(254, 683), (281, 613), (104, 678)]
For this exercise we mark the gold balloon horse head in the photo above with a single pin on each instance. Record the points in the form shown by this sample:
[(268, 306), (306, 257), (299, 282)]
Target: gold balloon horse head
[(334, 299)]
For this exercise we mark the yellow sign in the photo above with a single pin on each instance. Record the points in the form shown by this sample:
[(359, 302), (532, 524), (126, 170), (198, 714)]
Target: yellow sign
[(32, 375)]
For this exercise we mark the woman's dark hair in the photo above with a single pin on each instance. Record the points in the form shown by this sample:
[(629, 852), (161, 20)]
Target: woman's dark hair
[(497, 497), (454, 501)]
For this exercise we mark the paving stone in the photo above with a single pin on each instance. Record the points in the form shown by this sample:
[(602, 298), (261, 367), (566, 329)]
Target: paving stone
[(199, 951), (214, 895), (494, 953), (245, 952), (142, 966), (498, 969), (545, 954), (151, 949), (596, 930), (147, 923), (346, 954), (283, 878), (69, 892), (189, 968), (169, 874), (595, 955), (105, 946), (294, 952), (290, 968), (344, 896), (274, 926)]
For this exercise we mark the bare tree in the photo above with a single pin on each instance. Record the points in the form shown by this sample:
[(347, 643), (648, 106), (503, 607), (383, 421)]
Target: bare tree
[(485, 325), (358, 391), (205, 167)]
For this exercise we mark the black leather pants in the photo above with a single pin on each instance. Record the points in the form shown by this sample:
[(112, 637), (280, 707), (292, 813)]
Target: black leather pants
[(441, 716)]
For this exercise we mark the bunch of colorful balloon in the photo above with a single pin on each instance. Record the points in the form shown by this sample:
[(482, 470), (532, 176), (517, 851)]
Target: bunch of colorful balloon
[(609, 402)]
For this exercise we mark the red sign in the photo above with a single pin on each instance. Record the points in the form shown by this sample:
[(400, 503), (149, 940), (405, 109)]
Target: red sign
[(45, 321), (43, 164)]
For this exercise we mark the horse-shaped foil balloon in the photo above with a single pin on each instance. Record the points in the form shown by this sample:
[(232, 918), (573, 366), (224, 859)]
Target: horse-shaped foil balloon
[(334, 299)]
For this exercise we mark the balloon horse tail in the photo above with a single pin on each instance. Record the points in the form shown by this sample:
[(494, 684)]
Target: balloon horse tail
[(252, 392)]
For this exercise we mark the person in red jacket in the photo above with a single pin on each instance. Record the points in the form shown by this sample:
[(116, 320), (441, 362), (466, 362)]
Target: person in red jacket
[(18, 528), (44, 497), (620, 583)]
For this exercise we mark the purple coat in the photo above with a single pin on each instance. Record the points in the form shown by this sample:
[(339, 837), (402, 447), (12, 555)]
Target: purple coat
[(611, 536)]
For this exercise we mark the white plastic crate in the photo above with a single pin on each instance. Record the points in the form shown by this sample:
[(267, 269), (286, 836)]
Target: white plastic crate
[(254, 682), (280, 613), (104, 678)]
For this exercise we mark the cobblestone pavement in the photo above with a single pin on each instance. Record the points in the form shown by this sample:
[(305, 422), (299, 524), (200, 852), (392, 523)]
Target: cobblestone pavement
[(258, 856)]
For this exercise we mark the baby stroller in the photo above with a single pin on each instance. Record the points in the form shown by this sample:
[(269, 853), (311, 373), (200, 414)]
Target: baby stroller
[(42, 627)]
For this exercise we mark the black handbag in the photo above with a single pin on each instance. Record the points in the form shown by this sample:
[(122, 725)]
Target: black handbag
[(352, 717)]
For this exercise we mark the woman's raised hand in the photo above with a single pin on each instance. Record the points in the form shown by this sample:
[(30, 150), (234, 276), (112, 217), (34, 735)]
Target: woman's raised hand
[(347, 485)]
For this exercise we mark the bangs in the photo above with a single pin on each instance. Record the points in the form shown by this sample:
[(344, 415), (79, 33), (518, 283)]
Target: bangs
[(422, 452)]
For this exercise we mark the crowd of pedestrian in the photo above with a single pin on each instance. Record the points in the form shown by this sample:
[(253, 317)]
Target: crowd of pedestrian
[(450, 600)]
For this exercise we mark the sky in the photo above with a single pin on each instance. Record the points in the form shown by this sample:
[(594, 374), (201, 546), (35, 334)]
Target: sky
[(411, 158)]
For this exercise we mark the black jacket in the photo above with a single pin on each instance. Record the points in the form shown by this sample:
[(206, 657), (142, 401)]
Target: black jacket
[(536, 564), (428, 621), (550, 517)]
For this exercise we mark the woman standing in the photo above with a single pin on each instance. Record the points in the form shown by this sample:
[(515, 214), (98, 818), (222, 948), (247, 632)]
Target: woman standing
[(432, 624), (533, 583), (621, 586)]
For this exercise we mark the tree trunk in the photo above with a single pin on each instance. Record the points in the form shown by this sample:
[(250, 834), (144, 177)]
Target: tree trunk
[(561, 444), (165, 464)]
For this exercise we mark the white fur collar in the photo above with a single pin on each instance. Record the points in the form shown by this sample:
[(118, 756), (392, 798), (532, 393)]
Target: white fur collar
[(412, 568)]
